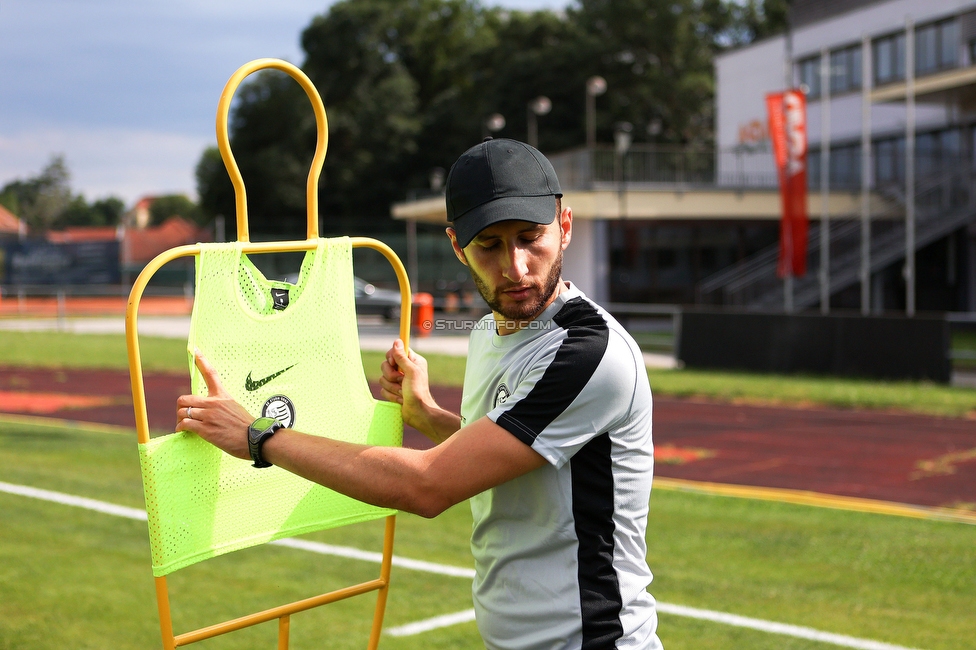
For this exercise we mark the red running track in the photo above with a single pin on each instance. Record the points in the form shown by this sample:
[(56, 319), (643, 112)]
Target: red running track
[(904, 458)]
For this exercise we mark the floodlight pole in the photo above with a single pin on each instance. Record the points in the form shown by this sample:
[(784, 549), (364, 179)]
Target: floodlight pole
[(412, 265), (534, 109), (595, 86), (787, 226), (865, 175), (825, 181), (909, 166)]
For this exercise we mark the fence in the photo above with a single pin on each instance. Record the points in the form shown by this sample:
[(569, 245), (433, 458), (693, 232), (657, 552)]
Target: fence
[(601, 167)]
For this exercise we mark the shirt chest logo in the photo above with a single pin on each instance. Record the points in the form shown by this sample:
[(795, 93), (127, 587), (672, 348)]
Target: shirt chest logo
[(501, 395)]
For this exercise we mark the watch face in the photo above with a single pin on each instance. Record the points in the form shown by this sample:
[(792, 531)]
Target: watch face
[(261, 425)]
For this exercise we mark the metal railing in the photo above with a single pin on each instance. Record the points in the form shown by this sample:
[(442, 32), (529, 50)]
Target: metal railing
[(943, 203), (645, 166)]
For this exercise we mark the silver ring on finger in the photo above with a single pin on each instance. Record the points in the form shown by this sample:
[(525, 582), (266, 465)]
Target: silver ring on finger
[(188, 415)]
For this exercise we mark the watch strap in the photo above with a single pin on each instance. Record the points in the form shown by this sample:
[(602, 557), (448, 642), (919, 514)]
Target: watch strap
[(256, 440)]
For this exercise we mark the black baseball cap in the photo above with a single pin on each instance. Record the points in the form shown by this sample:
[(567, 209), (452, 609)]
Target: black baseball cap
[(500, 180)]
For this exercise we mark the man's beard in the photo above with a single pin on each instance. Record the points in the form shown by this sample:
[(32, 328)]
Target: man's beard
[(524, 310)]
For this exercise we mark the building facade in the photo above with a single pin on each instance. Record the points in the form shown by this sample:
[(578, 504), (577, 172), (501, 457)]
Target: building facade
[(890, 170), (877, 75)]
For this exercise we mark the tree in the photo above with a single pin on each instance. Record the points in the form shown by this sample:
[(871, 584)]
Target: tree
[(215, 189), (40, 200), (103, 212), (46, 202), (272, 136), (408, 84), (537, 53), (755, 19), (396, 81), (387, 71), (174, 205)]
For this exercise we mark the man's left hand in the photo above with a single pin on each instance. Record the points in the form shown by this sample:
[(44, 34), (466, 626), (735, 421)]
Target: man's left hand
[(217, 418)]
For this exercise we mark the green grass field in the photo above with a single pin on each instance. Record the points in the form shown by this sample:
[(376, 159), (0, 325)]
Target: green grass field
[(72, 578), (80, 579), (52, 349)]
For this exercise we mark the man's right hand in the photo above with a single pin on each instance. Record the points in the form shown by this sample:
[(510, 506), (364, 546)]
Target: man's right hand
[(405, 382)]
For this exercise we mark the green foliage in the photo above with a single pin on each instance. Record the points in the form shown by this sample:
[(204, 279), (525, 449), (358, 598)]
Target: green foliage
[(656, 56), (41, 199), (756, 19), (46, 202), (408, 86), (9, 199), (799, 390), (61, 350), (215, 189), (103, 212), (173, 205)]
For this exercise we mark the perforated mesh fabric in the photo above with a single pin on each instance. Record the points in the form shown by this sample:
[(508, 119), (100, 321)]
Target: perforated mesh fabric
[(202, 502)]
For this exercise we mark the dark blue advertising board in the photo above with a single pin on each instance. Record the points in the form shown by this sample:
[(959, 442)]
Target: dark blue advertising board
[(41, 262)]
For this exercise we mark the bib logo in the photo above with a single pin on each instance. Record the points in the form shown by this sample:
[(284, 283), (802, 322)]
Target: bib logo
[(501, 395), (281, 409), (279, 298)]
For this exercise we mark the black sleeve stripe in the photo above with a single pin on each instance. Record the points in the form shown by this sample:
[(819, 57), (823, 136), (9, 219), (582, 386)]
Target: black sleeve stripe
[(576, 360), (593, 505)]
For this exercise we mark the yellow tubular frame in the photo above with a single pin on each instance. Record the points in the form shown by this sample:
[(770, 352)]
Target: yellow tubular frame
[(382, 584)]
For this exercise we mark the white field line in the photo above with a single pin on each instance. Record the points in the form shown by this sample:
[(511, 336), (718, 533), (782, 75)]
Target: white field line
[(71, 500), (776, 628), (429, 624), (290, 542), (443, 569), (356, 554)]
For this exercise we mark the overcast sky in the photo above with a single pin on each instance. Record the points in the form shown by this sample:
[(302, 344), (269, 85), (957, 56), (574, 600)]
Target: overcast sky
[(127, 89)]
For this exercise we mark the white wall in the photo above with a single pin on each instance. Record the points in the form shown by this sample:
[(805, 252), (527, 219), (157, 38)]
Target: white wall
[(874, 20), (745, 75), (742, 80), (585, 262)]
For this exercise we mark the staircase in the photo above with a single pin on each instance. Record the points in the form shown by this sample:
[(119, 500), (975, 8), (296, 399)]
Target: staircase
[(943, 204)]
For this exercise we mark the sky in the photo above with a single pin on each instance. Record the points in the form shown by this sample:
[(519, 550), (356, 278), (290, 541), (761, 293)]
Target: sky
[(127, 90)]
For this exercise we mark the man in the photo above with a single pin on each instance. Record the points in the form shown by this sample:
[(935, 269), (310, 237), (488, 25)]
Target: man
[(553, 443)]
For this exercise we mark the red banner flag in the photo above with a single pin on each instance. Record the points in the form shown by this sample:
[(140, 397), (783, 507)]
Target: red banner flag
[(788, 132)]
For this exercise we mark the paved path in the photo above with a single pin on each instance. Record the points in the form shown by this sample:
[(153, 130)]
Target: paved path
[(911, 459)]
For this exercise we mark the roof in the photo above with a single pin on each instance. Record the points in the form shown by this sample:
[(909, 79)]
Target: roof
[(75, 234), (9, 223), (143, 245), (806, 12)]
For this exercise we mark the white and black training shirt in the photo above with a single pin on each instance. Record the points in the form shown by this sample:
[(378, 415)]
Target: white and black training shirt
[(560, 552)]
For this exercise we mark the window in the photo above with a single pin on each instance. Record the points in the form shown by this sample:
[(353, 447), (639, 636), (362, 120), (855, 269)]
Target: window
[(935, 152), (889, 161), (845, 69), (845, 167), (938, 151), (809, 73), (926, 50), (936, 47), (813, 169), (889, 59)]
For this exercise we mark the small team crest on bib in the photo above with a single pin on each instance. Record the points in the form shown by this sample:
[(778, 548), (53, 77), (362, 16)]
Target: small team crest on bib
[(501, 395), (281, 409)]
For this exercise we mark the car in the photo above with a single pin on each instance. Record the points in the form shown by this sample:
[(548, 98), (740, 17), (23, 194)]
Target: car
[(370, 299)]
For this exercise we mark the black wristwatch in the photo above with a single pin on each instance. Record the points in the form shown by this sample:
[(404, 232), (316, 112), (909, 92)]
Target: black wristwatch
[(257, 434)]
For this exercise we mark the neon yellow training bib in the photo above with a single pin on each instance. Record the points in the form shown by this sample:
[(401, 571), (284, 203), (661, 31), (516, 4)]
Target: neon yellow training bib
[(286, 351)]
